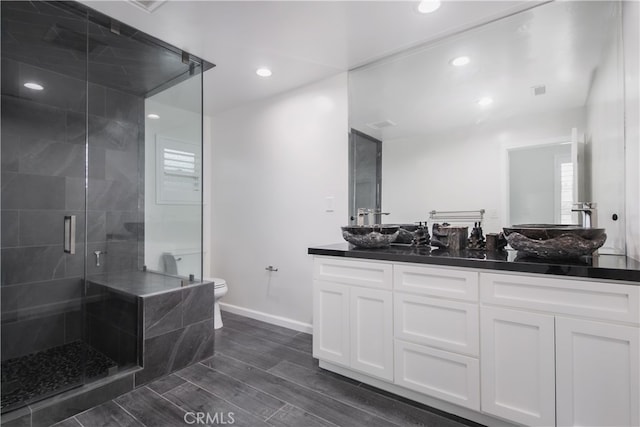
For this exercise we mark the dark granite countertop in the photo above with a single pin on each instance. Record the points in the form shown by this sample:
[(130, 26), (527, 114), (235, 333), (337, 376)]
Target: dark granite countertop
[(610, 267)]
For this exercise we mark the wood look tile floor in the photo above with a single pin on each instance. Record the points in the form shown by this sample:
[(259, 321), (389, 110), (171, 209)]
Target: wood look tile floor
[(260, 375)]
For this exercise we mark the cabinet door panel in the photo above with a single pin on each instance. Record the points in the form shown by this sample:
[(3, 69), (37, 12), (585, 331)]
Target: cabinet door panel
[(361, 273), (436, 281), (518, 369), (597, 373), (449, 325), (606, 301), (447, 376), (371, 323), (331, 322)]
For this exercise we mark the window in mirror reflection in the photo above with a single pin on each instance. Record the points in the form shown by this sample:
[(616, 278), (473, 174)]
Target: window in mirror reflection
[(541, 184)]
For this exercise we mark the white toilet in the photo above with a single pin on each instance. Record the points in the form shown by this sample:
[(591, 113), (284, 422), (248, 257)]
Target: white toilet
[(220, 290)]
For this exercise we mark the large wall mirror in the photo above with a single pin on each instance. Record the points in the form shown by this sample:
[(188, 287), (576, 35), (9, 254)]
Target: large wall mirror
[(521, 117)]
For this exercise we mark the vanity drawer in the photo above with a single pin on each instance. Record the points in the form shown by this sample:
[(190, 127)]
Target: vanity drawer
[(447, 376), (449, 325), (361, 273), (607, 301), (436, 281)]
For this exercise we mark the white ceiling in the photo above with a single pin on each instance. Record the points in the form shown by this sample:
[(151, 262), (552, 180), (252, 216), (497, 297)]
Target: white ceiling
[(559, 45), (301, 41)]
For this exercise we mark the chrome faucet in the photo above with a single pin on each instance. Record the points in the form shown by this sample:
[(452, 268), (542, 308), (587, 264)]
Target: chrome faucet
[(377, 216), (588, 211), (373, 216)]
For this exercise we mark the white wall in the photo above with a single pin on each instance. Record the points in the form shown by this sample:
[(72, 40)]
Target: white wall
[(604, 138), (464, 168), (631, 37), (273, 164)]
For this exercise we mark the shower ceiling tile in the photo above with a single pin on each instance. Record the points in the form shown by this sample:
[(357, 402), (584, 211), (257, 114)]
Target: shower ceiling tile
[(55, 38), (60, 91)]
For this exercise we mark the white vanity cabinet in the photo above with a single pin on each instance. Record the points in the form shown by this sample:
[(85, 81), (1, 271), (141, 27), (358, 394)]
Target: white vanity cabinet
[(331, 339), (436, 332), (518, 373), (495, 347), (597, 373), (559, 351), (352, 315)]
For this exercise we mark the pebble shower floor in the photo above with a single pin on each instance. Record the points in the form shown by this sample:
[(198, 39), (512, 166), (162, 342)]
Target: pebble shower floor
[(38, 375)]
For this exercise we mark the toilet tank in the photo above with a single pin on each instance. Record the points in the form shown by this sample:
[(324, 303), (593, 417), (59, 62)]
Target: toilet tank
[(182, 262)]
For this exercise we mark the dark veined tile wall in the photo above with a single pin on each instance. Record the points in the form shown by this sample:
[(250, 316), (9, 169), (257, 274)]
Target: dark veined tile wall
[(44, 135)]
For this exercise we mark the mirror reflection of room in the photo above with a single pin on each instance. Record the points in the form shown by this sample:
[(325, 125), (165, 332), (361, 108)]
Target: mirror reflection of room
[(522, 117)]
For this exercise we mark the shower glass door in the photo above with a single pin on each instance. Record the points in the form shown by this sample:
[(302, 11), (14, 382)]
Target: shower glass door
[(101, 191), (145, 155), (44, 168)]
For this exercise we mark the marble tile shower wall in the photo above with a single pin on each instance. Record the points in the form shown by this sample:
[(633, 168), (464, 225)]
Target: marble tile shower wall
[(112, 321), (43, 179), (177, 330)]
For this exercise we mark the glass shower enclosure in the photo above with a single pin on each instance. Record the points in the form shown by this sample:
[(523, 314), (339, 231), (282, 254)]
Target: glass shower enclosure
[(101, 177)]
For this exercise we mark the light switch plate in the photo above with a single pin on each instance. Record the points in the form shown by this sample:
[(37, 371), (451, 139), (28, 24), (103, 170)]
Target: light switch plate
[(329, 203)]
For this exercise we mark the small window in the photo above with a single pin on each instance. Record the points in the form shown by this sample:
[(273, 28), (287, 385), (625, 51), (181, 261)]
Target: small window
[(563, 188), (178, 179), (566, 192)]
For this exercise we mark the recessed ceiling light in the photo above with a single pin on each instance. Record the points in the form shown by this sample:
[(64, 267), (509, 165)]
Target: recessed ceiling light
[(484, 101), (428, 6), (33, 86), (460, 61), (153, 116), (264, 72)]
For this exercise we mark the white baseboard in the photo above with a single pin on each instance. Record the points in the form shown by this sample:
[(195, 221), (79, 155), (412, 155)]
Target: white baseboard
[(266, 317)]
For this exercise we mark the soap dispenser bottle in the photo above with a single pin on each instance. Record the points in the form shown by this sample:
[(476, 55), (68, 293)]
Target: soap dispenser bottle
[(421, 236)]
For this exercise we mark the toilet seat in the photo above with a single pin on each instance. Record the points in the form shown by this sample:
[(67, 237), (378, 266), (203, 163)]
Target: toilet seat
[(217, 282)]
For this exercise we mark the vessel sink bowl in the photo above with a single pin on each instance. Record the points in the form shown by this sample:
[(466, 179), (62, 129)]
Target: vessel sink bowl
[(370, 236), (555, 241)]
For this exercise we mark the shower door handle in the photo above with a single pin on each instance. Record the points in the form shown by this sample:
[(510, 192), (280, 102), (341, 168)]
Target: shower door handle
[(70, 234)]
